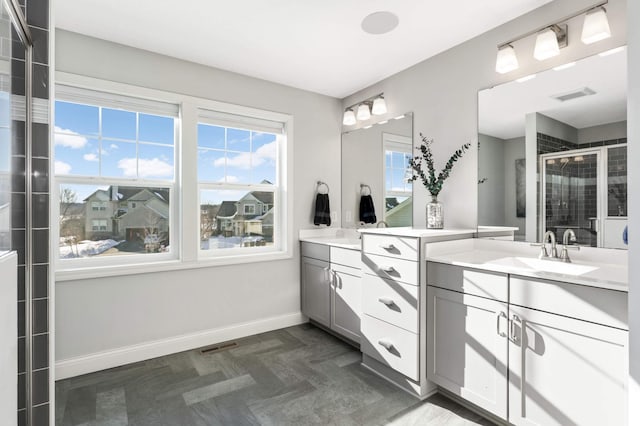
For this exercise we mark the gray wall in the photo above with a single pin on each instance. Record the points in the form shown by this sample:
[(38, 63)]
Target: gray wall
[(103, 314), (633, 111), (603, 132), (513, 150), (442, 93), (491, 165), (552, 127)]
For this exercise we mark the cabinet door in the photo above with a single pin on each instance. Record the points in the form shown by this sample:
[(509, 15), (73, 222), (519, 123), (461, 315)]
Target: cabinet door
[(347, 305), (467, 347), (564, 371), (316, 290)]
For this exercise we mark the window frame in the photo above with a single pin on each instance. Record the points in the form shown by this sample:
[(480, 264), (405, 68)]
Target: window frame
[(185, 197)]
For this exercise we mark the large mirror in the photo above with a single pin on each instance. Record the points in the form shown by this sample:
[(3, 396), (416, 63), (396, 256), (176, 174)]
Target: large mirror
[(375, 162), (553, 152)]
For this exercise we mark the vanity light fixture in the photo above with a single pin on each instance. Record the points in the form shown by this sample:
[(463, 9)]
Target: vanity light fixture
[(379, 106), (362, 110), (551, 38), (596, 26), (349, 118), (363, 113), (506, 60), (549, 41)]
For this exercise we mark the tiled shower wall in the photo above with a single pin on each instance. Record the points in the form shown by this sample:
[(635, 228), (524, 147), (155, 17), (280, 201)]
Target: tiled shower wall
[(37, 16)]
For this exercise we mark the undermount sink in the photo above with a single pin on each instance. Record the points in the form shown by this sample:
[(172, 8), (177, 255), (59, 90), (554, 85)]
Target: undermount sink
[(543, 265)]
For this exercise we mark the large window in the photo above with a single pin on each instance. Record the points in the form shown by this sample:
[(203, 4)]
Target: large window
[(398, 191), (239, 183), (113, 153)]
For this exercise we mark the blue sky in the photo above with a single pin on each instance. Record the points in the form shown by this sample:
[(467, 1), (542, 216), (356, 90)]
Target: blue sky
[(86, 146)]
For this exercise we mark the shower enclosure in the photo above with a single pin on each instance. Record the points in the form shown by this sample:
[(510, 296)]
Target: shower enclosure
[(585, 190)]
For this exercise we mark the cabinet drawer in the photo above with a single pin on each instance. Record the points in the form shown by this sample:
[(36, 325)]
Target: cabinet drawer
[(389, 245), (393, 269), (479, 283), (316, 251), (390, 301), (598, 305), (391, 345), (342, 256), (346, 270)]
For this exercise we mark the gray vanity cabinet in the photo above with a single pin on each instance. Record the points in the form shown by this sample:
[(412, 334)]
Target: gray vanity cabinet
[(467, 345), (530, 351), (331, 288)]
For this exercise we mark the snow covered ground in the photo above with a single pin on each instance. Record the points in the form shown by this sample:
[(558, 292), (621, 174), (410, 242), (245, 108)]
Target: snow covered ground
[(85, 248)]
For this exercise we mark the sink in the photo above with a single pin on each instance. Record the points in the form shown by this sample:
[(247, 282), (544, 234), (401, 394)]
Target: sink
[(541, 265)]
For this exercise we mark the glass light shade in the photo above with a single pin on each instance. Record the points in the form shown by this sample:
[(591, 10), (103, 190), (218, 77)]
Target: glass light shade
[(596, 26), (506, 60), (349, 118), (546, 45), (379, 106), (363, 112)]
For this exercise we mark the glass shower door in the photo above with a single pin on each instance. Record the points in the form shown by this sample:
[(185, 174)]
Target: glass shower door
[(570, 188)]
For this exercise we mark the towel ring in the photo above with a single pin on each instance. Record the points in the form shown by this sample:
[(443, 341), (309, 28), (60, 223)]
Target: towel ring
[(364, 187), (320, 184)]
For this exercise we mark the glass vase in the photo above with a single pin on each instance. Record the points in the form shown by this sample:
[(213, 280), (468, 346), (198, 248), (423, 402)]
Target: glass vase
[(435, 214)]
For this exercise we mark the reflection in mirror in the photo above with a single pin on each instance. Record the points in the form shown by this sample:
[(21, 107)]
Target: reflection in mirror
[(375, 161), (553, 154)]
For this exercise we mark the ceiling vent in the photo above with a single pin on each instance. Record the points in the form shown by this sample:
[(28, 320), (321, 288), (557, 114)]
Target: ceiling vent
[(579, 93)]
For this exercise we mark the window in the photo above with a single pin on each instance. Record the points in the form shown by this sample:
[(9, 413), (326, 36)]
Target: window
[(238, 169), (398, 191), (112, 154), (99, 225)]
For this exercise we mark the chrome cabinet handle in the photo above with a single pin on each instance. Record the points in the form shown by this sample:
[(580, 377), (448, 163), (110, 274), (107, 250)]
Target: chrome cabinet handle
[(387, 247), (386, 301), (388, 269), (512, 330), (385, 344), (501, 315)]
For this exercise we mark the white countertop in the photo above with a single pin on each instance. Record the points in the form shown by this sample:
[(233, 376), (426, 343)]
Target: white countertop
[(418, 232), (595, 267)]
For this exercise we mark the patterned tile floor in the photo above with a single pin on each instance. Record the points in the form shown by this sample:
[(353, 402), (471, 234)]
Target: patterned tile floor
[(295, 376)]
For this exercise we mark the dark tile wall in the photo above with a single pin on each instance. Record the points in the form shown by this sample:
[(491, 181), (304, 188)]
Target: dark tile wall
[(617, 181), (37, 16)]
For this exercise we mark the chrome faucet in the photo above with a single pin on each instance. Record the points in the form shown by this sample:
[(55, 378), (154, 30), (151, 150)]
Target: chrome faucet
[(549, 235), (567, 238), (383, 223)]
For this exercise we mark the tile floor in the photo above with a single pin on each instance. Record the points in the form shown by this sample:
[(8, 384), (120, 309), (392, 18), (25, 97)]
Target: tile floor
[(295, 376)]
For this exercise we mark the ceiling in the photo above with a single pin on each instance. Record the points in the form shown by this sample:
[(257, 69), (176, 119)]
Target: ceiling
[(502, 109), (312, 45)]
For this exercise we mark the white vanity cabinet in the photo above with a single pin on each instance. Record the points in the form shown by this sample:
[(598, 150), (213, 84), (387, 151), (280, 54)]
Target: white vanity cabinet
[(567, 354), (533, 352), (467, 346), (391, 300), (332, 287)]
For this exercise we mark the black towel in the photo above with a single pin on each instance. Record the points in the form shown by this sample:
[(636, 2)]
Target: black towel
[(367, 210), (323, 213)]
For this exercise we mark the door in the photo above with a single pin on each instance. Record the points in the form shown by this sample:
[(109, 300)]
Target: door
[(571, 195), (564, 371), (467, 347), (347, 303), (316, 290)]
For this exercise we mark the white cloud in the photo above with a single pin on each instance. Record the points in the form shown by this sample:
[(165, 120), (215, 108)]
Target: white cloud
[(62, 168), (230, 179), (266, 152), (113, 146), (69, 138), (90, 157), (147, 167)]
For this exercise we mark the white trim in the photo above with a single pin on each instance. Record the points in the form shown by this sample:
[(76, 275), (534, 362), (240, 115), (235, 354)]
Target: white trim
[(72, 367)]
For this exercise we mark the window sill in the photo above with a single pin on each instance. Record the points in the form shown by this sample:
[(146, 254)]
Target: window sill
[(164, 266)]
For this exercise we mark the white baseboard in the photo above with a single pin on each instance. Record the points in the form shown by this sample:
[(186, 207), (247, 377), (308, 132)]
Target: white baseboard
[(77, 366)]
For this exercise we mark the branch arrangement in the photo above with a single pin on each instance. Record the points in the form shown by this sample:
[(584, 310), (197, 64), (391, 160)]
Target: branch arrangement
[(432, 183)]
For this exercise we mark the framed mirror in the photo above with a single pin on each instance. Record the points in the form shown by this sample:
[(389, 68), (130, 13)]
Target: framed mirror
[(553, 152), (375, 162)]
